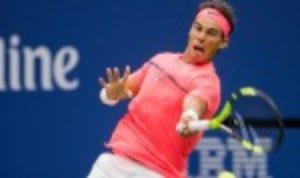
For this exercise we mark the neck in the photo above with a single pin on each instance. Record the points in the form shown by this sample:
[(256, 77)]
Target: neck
[(193, 60), (186, 58)]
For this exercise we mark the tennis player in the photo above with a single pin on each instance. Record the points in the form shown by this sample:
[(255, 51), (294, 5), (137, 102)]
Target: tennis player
[(153, 139)]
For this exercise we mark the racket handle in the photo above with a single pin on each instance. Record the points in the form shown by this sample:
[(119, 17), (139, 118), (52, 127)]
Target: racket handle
[(193, 126), (199, 125)]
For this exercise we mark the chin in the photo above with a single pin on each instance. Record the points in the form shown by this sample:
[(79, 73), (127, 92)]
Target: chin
[(201, 60)]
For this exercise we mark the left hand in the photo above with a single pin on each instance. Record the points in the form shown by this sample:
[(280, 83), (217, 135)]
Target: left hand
[(116, 85)]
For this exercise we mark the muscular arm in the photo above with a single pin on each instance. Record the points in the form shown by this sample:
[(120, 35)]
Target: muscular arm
[(193, 108), (194, 103), (202, 100)]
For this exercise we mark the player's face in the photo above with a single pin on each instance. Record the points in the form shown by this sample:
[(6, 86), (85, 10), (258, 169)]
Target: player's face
[(205, 39)]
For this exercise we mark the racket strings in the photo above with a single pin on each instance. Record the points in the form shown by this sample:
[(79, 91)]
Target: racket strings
[(250, 121)]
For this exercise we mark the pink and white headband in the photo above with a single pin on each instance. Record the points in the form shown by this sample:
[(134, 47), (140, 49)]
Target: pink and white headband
[(216, 16)]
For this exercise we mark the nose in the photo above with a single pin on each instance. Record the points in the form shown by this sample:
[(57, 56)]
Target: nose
[(201, 37)]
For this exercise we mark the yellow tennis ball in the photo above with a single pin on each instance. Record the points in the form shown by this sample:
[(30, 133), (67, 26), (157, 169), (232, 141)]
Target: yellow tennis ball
[(226, 174)]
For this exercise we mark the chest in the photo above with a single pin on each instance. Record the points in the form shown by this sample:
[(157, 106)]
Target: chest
[(171, 74)]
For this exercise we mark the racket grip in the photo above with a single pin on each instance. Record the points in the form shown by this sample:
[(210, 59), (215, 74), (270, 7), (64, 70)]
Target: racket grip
[(193, 126), (199, 125)]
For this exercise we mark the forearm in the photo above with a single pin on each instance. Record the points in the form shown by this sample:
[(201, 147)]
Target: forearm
[(195, 104), (193, 109)]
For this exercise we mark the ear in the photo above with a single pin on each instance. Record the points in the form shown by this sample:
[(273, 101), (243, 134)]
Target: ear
[(224, 43)]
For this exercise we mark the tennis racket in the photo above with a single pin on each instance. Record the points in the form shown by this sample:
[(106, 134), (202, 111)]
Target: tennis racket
[(248, 116)]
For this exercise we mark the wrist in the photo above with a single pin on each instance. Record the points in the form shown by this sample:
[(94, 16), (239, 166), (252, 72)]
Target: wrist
[(189, 113), (104, 98)]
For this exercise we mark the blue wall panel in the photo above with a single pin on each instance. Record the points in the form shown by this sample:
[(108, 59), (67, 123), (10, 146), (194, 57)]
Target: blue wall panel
[(56, 130)]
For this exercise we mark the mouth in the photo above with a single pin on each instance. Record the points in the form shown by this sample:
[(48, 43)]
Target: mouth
[(198, 49)]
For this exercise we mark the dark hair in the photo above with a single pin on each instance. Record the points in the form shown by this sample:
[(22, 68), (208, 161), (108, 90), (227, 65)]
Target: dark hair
[(223, 7)]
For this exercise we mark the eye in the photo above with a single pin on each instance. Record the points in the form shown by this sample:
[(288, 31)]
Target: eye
[(212, 32), (197, 26)]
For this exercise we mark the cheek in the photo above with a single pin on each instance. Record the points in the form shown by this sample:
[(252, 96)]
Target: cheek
[(214, 43), (192, 37), (213, 46), (193, 34)]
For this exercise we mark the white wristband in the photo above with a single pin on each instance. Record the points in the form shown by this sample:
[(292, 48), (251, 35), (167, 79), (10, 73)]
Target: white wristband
[(192, 114), (103, 97)]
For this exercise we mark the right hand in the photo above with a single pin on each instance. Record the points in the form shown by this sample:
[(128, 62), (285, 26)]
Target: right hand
[(115, 85), (183, 127)]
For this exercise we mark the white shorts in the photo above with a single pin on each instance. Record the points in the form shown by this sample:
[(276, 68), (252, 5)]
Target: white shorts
[(113, 166)]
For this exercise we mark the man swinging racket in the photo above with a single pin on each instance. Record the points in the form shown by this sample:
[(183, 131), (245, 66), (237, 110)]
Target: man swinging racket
[(154, 139)]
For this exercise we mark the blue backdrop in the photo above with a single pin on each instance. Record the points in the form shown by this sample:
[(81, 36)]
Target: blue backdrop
[(52, 124)]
